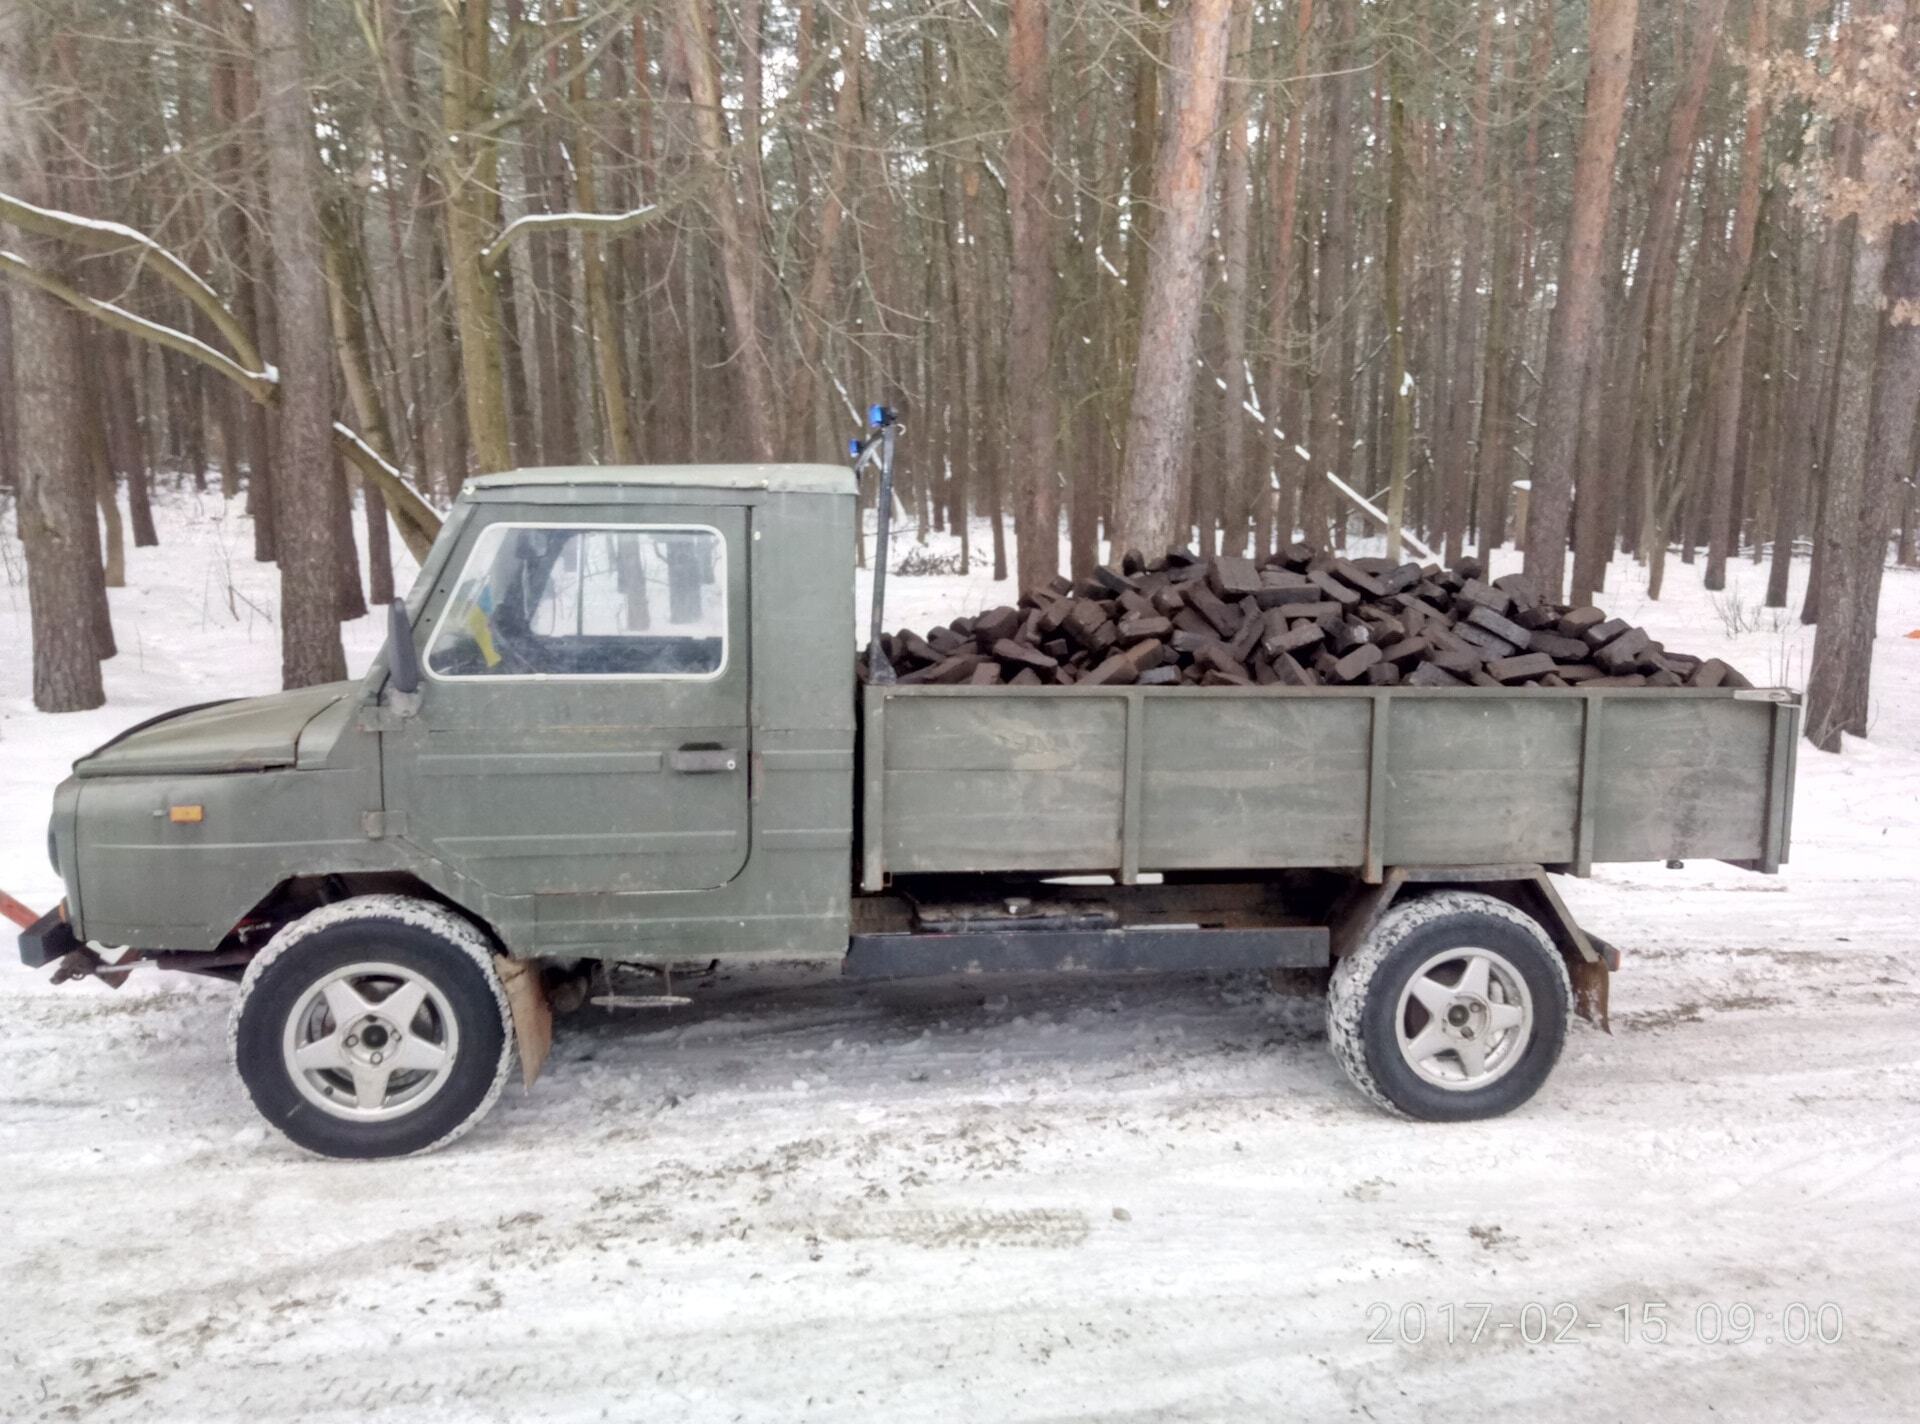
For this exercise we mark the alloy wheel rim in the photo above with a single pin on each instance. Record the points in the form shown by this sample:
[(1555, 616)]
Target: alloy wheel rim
[(371, 1042), (1464, 1019)]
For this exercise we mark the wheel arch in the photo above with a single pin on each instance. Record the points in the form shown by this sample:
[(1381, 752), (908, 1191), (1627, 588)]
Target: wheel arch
[(298, 895), (1589, 959)]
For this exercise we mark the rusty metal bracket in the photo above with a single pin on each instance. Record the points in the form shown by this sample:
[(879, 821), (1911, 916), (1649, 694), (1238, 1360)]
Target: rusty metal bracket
[(530, 1011)]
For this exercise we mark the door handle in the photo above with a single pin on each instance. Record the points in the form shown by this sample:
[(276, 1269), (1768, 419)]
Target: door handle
[(703, 760)]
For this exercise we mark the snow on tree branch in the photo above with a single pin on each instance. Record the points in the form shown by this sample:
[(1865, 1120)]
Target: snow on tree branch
[(259, 384), (419, 525), (607, 223), (415, 518), (105, 236)]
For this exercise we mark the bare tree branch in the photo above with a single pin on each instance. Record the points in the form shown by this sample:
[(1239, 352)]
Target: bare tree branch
[(605, 224), (104, 236), (259, 384), (419, 525)]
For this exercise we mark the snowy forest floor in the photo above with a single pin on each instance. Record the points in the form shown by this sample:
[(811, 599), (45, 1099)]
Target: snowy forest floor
[(1126, 1199)]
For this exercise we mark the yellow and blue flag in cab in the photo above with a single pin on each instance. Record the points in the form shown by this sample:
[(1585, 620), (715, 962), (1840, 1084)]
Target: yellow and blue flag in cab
[(480, 625)]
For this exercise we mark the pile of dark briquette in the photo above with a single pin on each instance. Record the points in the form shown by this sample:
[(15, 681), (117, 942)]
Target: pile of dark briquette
[(1299, 618)]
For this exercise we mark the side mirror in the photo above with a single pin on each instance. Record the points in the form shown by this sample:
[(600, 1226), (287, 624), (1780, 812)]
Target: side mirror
[(403, 659)]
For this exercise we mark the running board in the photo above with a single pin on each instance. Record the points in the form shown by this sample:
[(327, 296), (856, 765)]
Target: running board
[(1140, 949)]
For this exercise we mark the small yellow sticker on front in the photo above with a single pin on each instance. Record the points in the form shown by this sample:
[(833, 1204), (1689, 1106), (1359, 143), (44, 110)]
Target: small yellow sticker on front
[(186, 815)]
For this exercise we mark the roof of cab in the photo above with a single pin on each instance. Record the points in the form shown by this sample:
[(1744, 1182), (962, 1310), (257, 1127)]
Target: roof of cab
[(779, 479)]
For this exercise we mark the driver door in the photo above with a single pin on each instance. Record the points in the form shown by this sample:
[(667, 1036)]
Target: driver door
[(583, 724)]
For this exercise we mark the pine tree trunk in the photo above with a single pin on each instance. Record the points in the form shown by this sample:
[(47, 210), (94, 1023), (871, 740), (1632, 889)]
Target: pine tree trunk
[(1888, 462), (1635, 375), (397, 135), (1909, 511), (235, 102), (1160, 412), (53, 485), (1840, 574), (988, 376), (1350, 389), (1526, 265), (349, 600), (812, 315), (469, 180), (1393, 275), (1237, 493), (1032, 292), (1456, 454), (652, 388), (552, 265), (55, 494), (1326, 435), (603, 331), (125, 439), (1140, 141), (1273, 516), (738, 260), (1575, 308), (959, 349), (1721, 528), (1492, 433), (9, 450), (348, 300), (309, 587), (1799, 440), (1597, 484), (91, 435)]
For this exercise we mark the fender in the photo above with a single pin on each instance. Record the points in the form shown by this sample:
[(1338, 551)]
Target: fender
[(1591, 960)]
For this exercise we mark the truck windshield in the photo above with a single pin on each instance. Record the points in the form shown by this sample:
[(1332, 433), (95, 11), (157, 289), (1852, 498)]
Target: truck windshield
[(575, 601)]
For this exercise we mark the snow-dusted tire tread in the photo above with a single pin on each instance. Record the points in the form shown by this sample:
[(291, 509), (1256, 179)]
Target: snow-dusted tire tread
[(1353, 976), (454, 929)]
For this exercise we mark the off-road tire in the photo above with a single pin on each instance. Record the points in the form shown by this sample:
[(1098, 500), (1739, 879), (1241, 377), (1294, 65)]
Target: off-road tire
[(428, 940), (1364, 998)]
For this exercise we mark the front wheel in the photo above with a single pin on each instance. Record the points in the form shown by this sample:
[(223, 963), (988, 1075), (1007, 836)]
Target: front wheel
[(1454, 1008), (374, 1027)]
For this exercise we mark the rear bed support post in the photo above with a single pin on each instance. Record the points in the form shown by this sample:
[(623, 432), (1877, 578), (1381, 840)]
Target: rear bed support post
[(1376, 852), (1130, 788), (1589, 783), (1780, 786), (873, 874)]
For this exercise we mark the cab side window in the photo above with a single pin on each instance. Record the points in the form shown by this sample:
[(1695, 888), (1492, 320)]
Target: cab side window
[(568, 601)]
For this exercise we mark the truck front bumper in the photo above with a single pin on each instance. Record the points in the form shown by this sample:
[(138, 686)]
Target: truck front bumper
[(47, 940)]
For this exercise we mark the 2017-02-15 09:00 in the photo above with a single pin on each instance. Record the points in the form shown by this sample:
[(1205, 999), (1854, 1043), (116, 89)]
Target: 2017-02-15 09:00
[(1651, 1322)]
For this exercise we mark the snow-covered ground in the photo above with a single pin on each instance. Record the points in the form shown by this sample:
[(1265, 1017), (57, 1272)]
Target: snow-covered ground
[(1140, 1199)]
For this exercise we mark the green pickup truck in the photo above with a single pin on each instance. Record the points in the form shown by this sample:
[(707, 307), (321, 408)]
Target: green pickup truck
[(617, 722)]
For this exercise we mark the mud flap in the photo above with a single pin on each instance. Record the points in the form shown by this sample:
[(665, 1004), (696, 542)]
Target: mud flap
[(1591, 978), (531, 1013)]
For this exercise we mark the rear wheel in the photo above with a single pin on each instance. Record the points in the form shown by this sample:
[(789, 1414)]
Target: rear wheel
[(374, 1027), (1455, 1008)]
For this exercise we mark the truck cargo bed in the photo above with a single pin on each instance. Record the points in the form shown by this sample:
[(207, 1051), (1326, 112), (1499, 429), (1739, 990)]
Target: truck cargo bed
[(1133, 780)]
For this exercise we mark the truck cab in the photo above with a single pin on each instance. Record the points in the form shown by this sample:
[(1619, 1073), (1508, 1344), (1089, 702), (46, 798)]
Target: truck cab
[(633, 734)]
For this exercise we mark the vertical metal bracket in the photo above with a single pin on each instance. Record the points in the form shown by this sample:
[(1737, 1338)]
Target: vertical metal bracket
[(1376, 852), (1131, 789), (1589, 784)]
